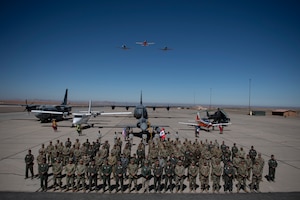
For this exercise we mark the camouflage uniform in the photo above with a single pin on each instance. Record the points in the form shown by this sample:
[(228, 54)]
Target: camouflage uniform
[(252, 154), (70, 173), (141, 155), (249, 166), (216, 176), (256, 177), (43, 171), (92, 174), (192, 174), (119, 177), (66, 154), (57, 169), (234, 150), (146, 174), (157, 173), (99, 162), (169, 175), (81, 170), (112, 161), (261, 162), (179, 174), (228, 176), (132, 169), (49, 150), (106, 172), (204, 176), (242, 176)]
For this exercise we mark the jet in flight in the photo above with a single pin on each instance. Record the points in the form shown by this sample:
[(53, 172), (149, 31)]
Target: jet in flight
[(46, 113), (145, 43), (124, 47), (165, 48), (205, 124), (83, 117)]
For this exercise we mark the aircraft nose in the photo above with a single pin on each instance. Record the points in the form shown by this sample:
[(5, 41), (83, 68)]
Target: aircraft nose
[(144, 126)]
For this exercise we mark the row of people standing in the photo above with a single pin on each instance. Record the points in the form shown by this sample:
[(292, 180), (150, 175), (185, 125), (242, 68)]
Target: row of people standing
[(200, 156)]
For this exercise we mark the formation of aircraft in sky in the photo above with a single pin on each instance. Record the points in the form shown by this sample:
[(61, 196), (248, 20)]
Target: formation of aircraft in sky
[(218, 119), (145, 43), (46, 113)]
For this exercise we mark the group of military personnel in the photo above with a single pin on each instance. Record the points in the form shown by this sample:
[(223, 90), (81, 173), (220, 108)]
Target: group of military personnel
[(167, 162)]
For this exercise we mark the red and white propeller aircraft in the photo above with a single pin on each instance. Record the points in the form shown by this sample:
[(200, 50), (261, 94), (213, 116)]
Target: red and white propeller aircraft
[(204, 123), (145, 43)]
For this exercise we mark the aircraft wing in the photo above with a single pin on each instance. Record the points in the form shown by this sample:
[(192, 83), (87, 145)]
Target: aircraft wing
[(220, 124), (49, 112), (189, 123), (116, 113), (139, 42)]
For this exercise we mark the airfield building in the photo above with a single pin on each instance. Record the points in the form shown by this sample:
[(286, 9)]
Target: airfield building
[(284, 113)]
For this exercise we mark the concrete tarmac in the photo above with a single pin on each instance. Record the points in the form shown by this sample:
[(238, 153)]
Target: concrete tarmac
[(20, 131)]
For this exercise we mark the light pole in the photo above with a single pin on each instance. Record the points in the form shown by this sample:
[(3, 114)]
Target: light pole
[(209, 98), (250, 96)]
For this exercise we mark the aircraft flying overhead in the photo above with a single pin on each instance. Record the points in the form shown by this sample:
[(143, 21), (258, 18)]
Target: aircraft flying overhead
[(205, 124), (145, 43), (83, 117), (124, 47), (46, 113), (165, 48), (141, 114)]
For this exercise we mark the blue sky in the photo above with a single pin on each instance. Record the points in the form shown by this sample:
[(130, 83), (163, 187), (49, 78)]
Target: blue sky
[(48, 46)]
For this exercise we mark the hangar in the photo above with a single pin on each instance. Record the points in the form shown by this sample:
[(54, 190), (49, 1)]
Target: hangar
[(285, 113)]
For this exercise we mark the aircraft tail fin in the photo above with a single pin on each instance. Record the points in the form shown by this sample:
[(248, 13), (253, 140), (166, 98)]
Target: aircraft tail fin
[(207, 114), (198, 116), (141, 99), (90, 107), (65, 102)]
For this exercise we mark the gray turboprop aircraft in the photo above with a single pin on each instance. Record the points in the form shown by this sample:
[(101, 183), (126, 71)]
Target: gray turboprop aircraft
[(46, 113), (141, 114)]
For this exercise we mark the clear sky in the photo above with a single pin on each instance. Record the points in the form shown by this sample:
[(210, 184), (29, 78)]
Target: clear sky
[(47, 46)]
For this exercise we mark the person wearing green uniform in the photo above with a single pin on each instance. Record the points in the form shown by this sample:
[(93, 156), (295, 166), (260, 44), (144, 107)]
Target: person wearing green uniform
[(256, 177), (242, 176), (146, 174), (132, 169), (70, 173), (192, 174), (92, 174), (106, 171), (119, 176), (57, 168), (157, 173), (169, 175), (81, 170), (29, 160), (216, 176), (43, 171), (272, 168), (179, 175)]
